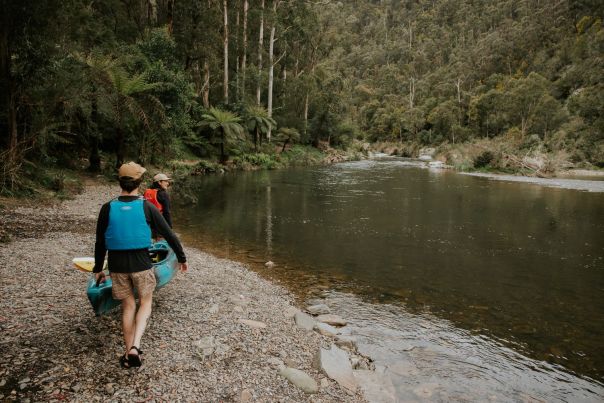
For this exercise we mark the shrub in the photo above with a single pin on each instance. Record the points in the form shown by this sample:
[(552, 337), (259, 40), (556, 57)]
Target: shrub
[(483, 159)]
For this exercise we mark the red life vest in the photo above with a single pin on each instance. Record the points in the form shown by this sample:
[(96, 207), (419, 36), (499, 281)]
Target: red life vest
[(151, 195)]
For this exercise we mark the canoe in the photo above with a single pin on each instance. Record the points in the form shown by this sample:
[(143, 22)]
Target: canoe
[(165, 266)]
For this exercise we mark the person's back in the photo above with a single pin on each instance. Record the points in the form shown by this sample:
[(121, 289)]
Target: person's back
[(124, 230)]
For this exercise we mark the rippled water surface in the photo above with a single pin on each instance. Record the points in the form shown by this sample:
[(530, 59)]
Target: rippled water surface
[(459, 285)]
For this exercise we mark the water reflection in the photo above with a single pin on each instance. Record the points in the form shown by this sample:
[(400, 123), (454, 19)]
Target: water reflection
[(519, 263)]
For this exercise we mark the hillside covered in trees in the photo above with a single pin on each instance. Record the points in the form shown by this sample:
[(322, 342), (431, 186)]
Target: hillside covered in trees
[(244, 80)]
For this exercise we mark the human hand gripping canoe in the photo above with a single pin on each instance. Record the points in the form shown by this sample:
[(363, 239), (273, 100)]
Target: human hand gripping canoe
[(184, 267)]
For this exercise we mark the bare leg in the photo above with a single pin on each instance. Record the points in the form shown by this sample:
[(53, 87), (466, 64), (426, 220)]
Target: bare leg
[(128, 324), (144, 311)]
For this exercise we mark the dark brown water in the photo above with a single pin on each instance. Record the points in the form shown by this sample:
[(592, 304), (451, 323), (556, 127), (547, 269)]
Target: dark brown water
[(518, 265)]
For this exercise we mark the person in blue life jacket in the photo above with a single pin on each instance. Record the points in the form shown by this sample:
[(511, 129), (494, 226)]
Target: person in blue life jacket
[(124, 231)]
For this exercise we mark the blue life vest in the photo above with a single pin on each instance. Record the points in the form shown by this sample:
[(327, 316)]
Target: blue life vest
[(128, 228)]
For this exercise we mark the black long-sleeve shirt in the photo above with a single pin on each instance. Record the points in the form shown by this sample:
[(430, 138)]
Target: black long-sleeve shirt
[(129, 261), (164, 199)]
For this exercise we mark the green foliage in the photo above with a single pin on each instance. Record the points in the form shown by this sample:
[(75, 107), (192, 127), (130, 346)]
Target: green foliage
[(484, 159)]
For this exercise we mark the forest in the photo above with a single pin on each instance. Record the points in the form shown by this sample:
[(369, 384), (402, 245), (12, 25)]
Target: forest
[(90, 84)]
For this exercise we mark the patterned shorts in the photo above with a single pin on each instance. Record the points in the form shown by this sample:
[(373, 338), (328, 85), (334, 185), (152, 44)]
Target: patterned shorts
[(125, 283)]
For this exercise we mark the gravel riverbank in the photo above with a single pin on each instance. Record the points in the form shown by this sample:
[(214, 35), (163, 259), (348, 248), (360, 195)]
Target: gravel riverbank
[(203, 343)]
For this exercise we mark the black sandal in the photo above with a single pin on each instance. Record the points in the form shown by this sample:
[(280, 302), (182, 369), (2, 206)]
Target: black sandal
[(135, 359), (124, 361)]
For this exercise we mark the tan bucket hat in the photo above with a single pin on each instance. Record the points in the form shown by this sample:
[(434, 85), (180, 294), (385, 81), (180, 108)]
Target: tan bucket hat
[(131, 170)]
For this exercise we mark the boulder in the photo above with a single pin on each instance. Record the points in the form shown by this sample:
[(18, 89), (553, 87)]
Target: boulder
[(325, 329), (319, 309), (333, 320), (335, 364), (346, 341), (300, 379), (304, 321)]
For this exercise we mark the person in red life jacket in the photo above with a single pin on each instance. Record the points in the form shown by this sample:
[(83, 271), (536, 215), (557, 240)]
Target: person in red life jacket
[(124, 229), (158, 195)]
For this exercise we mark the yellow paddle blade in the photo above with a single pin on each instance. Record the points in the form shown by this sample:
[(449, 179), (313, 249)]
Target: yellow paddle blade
[(85, 264)]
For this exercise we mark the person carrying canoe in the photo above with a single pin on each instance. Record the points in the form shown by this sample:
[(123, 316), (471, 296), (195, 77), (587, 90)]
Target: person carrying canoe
[(158, 195), (124, 229)]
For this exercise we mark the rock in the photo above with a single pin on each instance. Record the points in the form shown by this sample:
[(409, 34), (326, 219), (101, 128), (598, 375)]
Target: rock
[(330, 319), (214, 308), (246, 396), (25, 380), (206, 346), (275, 362), (269, 264), (304, 321), (253, 323), (436, 164), (291, 311), (23, 386), (76, 388), (325, 329), (346, 341), (324, 383), (109, 389), (335, 364), (239, 300), (290, 363), (318, 309), (300, 379)]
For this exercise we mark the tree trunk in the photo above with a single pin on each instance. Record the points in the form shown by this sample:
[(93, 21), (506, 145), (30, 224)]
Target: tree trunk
[(119, 150), (226, 53), (206, 84), (271, 68), (306, 113), (244, 54), (238, 58), (285, 144), (260, 49), (170, 17), (223, 138), (9, 94), (94, 158), (411, 92)]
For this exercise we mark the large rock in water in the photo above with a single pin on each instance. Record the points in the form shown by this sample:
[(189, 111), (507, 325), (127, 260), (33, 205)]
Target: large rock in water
[(304, 321), (318, 309), (333, 320), (325, 329), (301, 379), (335, 364)]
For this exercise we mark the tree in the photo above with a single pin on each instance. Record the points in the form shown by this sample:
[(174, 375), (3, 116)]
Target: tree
[(287, 135), (226, 125), (128, 97), (259, 123)]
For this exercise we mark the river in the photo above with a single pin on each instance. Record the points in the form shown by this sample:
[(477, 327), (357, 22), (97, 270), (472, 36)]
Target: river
[(459, 287)]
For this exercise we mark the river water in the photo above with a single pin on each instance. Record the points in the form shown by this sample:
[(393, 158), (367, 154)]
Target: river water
[(459, 287)]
